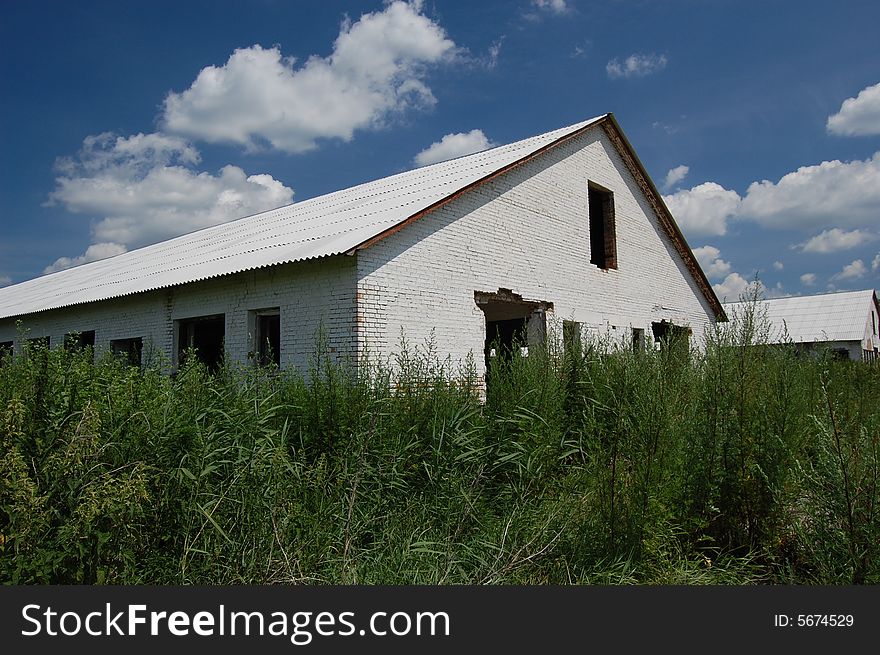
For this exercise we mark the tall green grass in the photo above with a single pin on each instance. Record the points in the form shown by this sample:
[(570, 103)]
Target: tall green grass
[(738, 464)]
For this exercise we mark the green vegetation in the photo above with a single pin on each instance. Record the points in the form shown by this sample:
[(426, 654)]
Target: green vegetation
[(741, 464)]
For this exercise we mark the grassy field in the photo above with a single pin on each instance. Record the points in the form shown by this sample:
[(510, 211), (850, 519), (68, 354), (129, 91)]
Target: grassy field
[(741, 464)]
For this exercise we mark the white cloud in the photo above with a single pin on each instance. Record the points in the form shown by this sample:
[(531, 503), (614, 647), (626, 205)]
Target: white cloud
[(875, 265), (852, 271), (859, 116), (453, 145), (636, 65), (376, 70), (553, 6), (675, 175), (93, 253), (777, 265), (704, 209), (143, 189), (808, 279), (4, 280), (734, 287), (842, 193), (710, 261), (835, 240)]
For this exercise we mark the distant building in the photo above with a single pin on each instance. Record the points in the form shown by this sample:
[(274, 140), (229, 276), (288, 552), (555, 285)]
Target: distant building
[(562, 231), (845, 322)]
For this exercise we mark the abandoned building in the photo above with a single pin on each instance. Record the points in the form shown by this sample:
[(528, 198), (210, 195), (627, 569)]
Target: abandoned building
[(846, 323), (559, 232)]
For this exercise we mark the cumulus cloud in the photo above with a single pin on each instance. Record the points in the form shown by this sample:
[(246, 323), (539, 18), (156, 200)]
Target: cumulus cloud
[(143, 188), (808, 279), (846, 194), (852, 271), (258, 97), (553, 6), (875, 265), (843, 193), (710, 261), (5, 280), (636, 65), (777, 265), (675, 175), (93, 253), (859, 116), (453, 145), (835, 240), (704, 209), (735, 286)]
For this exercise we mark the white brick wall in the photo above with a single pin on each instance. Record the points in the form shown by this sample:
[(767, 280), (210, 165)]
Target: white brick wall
[(309, 294), (527, 231)]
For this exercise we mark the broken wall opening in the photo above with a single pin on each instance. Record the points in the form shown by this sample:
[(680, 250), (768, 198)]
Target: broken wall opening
[(512, 324), (204, 335), (670, 336)]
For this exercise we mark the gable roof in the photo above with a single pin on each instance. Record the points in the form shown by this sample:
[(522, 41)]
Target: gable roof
[(336, 223), (825, 317)]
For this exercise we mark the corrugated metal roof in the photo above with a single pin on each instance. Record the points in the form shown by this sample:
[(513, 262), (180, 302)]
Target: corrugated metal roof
[(806, 319), (327, 225)]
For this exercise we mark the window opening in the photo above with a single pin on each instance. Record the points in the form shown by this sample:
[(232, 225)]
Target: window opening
[(75, 341), (603, 239), (638, 340), (267, 330), (129, 350), (6, 350), (204, 335)]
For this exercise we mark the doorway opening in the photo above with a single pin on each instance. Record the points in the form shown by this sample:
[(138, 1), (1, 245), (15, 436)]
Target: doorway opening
[(203, 334), (513, 324)]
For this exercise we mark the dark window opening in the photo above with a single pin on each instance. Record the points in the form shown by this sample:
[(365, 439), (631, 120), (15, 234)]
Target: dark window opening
[(6, 350), (205, 336), (75, 341), (129, 350), (669, 335), (572, 336), (603, 237), (840, 353), (39, 342), (268, 335), (503, 337), (638, 340)]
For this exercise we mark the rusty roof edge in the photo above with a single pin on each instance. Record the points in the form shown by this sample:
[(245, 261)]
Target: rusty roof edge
[(667, 221)]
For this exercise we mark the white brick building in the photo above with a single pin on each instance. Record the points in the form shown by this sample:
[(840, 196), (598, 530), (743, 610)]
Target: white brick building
[(846, 322), (562, 227)]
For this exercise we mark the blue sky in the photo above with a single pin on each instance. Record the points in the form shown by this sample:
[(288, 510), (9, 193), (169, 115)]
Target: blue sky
[(122, 124)]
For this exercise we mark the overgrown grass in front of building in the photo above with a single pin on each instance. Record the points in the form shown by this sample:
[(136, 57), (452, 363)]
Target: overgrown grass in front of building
[(741, 464)]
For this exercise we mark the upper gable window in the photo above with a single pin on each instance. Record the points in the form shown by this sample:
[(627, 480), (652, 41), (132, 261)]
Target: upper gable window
[(603, 237)]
